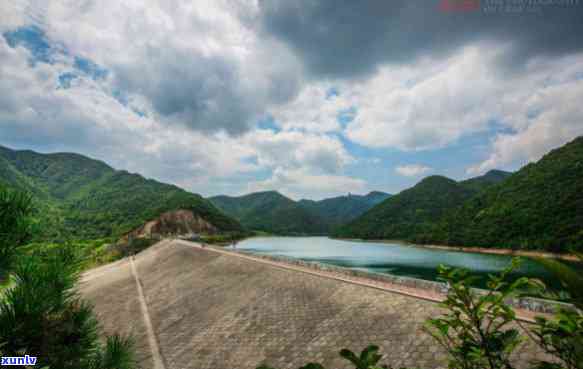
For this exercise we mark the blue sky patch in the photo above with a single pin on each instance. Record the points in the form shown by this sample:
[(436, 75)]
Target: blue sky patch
[(35, 40), (90, 68), (346, 116), (332, 91), (65, 80), (42, 50), (268, 122)]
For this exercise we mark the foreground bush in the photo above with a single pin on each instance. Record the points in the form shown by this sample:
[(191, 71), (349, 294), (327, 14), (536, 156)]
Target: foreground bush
[(562, 337), (15, 225), (476, 331), (41, 314)]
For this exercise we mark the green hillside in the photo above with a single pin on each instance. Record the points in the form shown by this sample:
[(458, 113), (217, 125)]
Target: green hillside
[(409, 213), (487, 180), (271, 212), (539, 207), (342, 209), (376, 197), (86, 198)]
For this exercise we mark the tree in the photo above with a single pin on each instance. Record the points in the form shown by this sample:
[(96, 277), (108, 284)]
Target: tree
[(15, 225), (41, 313)]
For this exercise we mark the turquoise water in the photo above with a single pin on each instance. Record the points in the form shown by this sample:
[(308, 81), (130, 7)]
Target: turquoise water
[(393, 258)]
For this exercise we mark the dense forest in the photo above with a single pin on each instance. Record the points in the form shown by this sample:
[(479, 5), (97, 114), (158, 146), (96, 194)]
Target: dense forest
[(271, 212), (410, 212), (342, 209), (275, 213), (86, 199), (538, 207)]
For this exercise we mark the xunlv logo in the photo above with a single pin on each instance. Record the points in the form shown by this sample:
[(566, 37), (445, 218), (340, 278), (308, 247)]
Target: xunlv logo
[(18, 360)]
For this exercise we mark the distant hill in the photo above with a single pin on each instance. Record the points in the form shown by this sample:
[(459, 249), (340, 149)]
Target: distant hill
[(86, 198), (271, 212), (376, 197), (408, 213), (538, 207), (342, 209), (485, 181)]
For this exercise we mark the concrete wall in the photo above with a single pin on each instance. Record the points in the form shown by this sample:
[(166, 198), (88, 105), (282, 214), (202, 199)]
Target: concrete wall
[(216, 311), (528, 303)]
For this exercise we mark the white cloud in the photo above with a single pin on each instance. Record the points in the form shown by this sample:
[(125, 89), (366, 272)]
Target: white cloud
[(412, 170), (301, 183), (302, 164), (204, 73), (317, 152), (559, 120), (87, 119), (200, 65), (427, 105), (433, 103), (314, 109)]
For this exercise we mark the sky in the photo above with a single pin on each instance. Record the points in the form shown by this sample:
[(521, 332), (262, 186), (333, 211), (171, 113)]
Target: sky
[(310, 98)]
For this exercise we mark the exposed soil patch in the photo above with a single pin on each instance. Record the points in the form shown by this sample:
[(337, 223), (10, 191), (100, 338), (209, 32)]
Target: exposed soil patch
[(183, 223)]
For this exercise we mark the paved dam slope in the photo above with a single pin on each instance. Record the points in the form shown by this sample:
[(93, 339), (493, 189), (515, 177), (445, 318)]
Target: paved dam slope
[(202, 309)]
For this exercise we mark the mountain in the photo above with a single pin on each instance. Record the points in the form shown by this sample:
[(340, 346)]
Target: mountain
[(485, 181), (538, 207), (408, 213), (271, 212), (376, 197), (342, 209), (86, 198)]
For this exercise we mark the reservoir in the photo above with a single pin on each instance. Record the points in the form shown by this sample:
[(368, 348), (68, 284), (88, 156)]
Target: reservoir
[(389, 258)]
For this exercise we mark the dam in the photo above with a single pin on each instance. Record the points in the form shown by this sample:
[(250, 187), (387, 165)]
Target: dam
[(189, 307)]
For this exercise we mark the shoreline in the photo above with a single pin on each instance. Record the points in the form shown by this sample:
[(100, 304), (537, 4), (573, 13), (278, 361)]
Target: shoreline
[(475, 250)]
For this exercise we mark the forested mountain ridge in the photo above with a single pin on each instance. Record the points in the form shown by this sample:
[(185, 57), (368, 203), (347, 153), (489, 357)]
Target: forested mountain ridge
[(342, 209), (85, 198), (483, 182), (410, 212), (270, 211), (538, 207), (376, 197)]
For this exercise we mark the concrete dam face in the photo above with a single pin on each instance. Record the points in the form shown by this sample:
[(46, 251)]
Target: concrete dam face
[(188, 307)]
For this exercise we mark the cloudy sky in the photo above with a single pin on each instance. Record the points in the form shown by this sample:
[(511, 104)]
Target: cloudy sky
[(311, 98)]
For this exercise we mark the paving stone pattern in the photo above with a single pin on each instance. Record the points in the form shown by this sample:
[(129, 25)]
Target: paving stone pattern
[(217, 311)]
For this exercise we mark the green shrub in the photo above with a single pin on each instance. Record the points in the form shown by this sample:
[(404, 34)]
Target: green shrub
[(15, 225), (42, 315), (476, 330), (562, 336)]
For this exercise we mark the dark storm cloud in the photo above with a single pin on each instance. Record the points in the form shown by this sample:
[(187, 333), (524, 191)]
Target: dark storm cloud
[(207, 93), (351, 38), (203, 93)]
